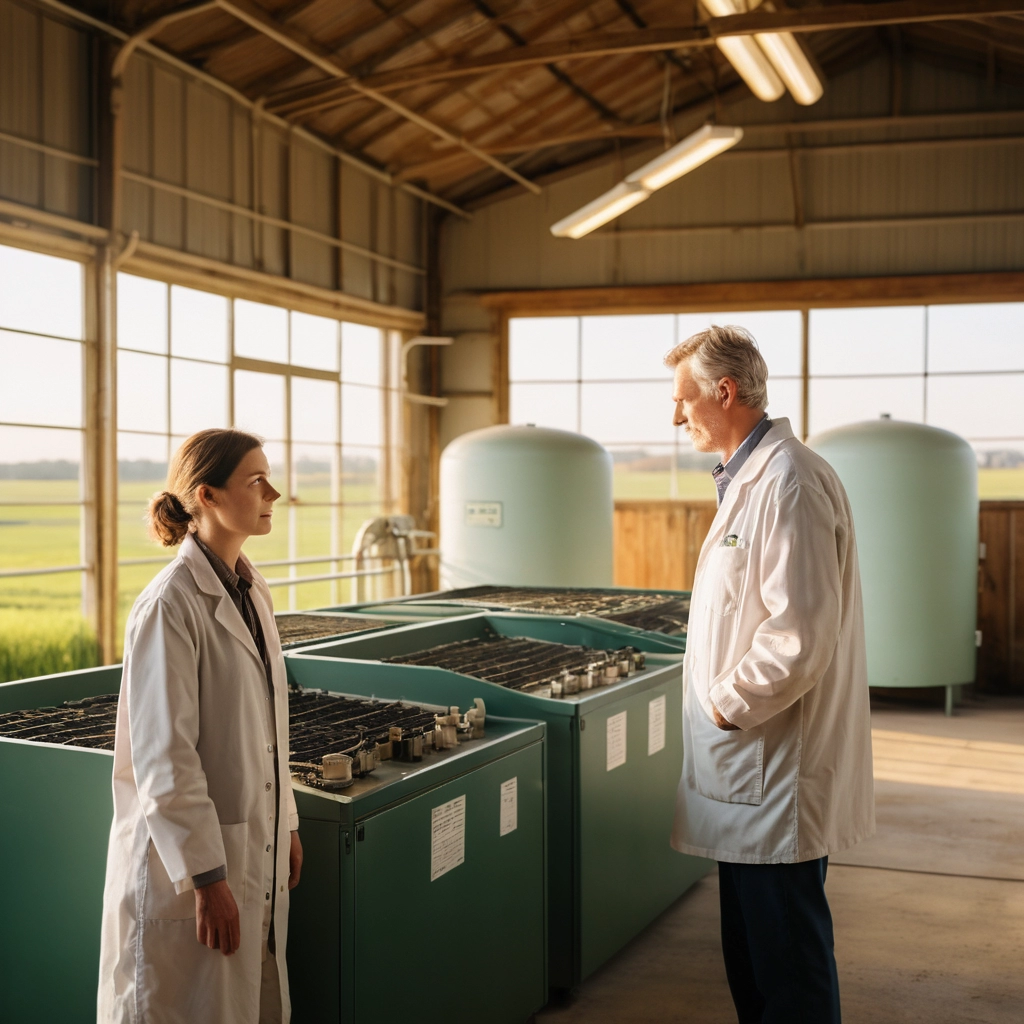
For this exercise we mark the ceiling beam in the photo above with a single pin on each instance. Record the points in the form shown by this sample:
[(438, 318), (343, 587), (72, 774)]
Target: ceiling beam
[(649, 40), (304, 47)]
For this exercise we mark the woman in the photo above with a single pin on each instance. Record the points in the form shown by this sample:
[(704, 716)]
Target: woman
[(203, 846)]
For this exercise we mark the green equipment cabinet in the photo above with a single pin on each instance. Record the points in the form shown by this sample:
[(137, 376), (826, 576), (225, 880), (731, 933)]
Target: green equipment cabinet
[(614, 761), (661, 613), (422, 893)]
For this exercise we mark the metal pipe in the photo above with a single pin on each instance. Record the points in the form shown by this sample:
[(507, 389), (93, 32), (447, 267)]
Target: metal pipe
[(290, 581), (8, 573)]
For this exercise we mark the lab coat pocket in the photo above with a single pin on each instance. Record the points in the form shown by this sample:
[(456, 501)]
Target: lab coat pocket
[(727, 571), (727, 765), (162, 903), (236, 855)]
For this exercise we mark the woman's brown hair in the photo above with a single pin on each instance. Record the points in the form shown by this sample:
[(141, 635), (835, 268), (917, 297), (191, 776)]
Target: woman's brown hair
[(207, 458)]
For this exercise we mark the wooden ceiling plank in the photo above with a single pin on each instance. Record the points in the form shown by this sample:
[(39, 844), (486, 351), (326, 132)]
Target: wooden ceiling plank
[(541, 28), (815, 19), (302, 46)]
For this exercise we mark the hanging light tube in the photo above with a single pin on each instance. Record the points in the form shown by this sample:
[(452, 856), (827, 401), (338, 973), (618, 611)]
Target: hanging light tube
[(786, 61), (696, 149), (751, 64), (790, 61), (603, 209)]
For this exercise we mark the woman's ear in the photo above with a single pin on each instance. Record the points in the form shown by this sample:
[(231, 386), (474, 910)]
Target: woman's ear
[(204, 496)]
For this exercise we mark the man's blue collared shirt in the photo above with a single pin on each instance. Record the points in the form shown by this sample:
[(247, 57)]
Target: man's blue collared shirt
[(724, 475)]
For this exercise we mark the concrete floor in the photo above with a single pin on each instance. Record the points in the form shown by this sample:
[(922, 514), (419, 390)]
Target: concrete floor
[(929, 914)]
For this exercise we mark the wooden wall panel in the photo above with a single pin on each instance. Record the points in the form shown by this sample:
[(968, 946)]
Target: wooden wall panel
[(657, 542), (1001, 597)]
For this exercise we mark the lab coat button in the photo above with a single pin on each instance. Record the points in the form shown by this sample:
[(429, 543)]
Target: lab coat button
[(268, 786), (268, 895), (268, 848), (270, 748)]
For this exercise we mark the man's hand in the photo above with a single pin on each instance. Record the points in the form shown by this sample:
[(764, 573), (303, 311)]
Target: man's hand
[(217, 917), (721, 721), (294, 861)]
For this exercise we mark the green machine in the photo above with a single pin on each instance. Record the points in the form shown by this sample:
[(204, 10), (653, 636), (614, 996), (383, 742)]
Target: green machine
[(423, 884), (614, 759), (662, 612)]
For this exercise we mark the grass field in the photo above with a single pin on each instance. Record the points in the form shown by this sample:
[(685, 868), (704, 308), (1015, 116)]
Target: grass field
[(42, 625)]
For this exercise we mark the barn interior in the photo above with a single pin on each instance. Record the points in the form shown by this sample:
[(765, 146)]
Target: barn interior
[(386, 235)]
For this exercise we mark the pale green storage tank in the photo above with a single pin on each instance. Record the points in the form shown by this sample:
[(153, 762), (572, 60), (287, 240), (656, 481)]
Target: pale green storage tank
[(526, 505), (914, 494)]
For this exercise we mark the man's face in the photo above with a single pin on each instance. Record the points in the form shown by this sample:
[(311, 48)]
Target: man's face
[(702, 417)]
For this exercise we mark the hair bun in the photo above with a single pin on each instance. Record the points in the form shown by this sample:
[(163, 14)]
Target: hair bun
[(168, 519)]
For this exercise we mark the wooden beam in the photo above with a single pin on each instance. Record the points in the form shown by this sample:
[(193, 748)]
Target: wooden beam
[(301, 45), (751, 295), (815, 19)]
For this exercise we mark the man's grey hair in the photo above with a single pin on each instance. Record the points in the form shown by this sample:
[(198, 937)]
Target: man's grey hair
[(725, 352)]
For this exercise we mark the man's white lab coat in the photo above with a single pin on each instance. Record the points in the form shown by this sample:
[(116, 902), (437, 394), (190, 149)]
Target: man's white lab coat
[(776, 643), (194, 789)]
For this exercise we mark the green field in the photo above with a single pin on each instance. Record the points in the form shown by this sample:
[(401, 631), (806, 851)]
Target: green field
[(43, 621), (43, 627)]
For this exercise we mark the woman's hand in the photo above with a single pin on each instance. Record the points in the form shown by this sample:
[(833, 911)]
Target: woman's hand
[(217, 917), (294, 861)]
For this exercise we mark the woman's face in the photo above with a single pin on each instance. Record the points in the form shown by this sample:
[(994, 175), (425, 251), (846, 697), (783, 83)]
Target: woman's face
[(245, 504)]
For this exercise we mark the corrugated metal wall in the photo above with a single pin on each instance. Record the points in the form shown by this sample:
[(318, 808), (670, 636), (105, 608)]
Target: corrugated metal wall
[(51, 109), (508, 244), (181, 133)]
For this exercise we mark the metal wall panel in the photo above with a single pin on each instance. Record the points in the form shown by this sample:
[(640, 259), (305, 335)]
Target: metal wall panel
[(44, 98), (230, 167)]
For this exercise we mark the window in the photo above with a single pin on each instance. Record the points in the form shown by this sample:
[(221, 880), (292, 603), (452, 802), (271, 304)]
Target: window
[(44, 586), (960, 367), (312, 387), (604, 376)]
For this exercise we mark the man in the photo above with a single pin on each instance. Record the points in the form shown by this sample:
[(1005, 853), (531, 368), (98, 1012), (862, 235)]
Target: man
[(776, 731)]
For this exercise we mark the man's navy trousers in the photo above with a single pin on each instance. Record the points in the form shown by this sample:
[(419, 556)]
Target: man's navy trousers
[(778, 944)]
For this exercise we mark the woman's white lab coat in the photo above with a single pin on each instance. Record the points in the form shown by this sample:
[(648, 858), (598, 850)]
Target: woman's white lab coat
[(776, 643), (194, 789)]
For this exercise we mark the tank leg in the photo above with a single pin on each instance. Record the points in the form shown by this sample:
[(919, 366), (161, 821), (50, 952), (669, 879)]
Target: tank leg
[(949, 701)]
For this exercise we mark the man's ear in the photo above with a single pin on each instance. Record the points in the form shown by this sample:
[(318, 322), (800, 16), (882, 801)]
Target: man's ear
[(726, 392)]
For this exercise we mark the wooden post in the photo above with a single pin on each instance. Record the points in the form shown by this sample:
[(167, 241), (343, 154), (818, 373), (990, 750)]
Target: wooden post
[(103, 308)]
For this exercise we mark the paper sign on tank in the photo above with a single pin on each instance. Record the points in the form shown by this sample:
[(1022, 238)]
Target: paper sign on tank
[(656, 725), (616, 740), (509, 814), (483, 513), (447, 837)]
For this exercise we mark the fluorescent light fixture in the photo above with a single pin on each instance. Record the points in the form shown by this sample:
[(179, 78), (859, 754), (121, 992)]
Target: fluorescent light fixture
[(787, 63), (790, 61), (617, 200), (696, 149), (752, 66), (744, 54)]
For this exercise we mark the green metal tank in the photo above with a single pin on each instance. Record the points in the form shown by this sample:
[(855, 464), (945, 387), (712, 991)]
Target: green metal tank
[(914, 494), (526, 505), (422, 894), (614, 760)]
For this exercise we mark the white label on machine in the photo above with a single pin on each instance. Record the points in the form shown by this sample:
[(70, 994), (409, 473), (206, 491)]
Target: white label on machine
[(509, 815), (483, 513), (656, 725), (447, 837), (616, 740)]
